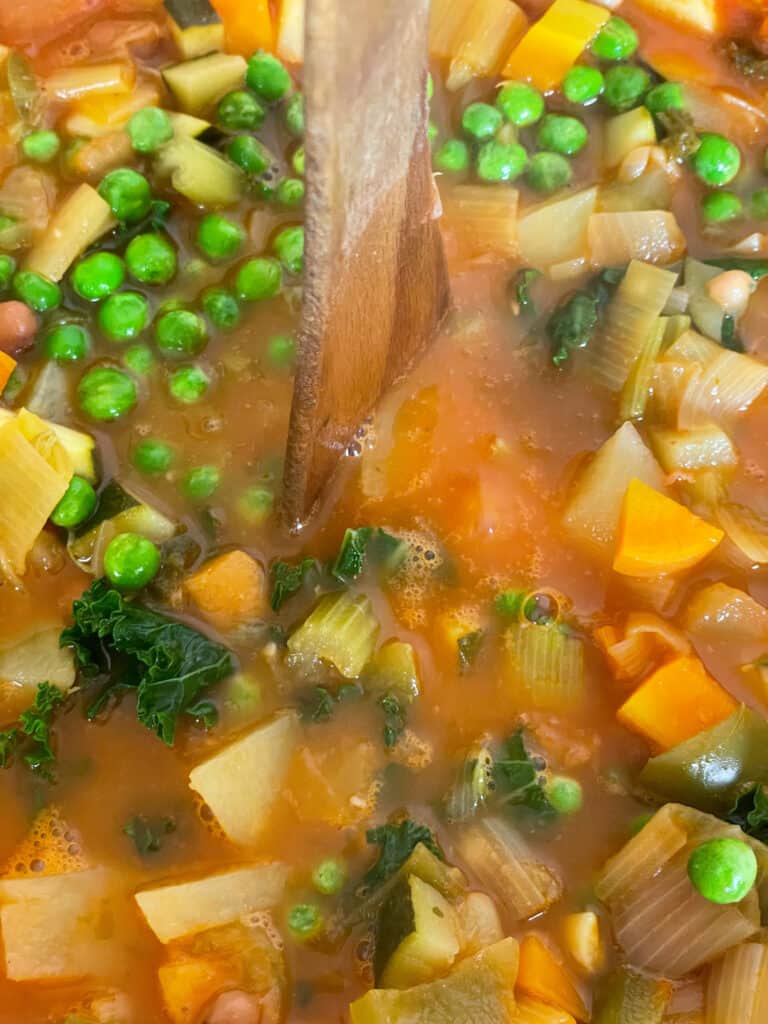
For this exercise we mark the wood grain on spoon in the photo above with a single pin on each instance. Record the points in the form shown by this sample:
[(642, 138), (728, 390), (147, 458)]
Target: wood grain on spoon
[(375, 285)]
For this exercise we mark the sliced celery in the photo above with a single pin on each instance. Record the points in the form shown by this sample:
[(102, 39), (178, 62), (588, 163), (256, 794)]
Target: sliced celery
[(341, 630), (544, 666), (633, 998), (393, 669)]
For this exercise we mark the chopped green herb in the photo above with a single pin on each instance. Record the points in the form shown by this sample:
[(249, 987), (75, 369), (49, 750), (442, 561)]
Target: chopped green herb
[(468, 648), (350, 560), (572, 325), (509, 603), (681, 140), (288, 580), (317, 705), (148, 835), (396, 843), (394, 718), (750, 813), (517, 778), (169, 664), (521, 285)]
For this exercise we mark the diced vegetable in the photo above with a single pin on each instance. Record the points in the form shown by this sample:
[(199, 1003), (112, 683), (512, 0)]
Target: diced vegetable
[(699, 15), (338, 787), (632, 996), (417, 936), (196, 84), (661, 922), (502, 860), (174, 911), (637, 386), (541, 976), (246, 28), (481, 220), (79, 221), (188, 125), (199, 173), (544, 666), (530, 1011), (393, 668), (476, 36), (719, 612), (38, 657), (707, 315), (52, 927), (639, 300), (593, 511), (70, 83), (585, 944), (554, 43), (79, 446), (657, 535), (486, 980), (556, 231), (341, 630), (644, 640), (230, 589), (98, 114), (7, 366), (197, 40), (747, 530), (290, 31), (737, 987), (650, 235), (625, 133), (479, 923), (241, 783), (684, 451), (677, 701), (709, 770)]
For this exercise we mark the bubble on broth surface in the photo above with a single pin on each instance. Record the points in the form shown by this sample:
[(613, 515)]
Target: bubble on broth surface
[(208, 818), (416, 576), (263, 920), (50, 848)]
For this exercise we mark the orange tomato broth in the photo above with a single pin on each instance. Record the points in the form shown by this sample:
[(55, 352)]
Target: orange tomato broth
[(474, 456)]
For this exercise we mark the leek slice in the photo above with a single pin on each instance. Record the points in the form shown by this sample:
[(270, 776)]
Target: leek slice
[(737, 987), (629, 319), (485, 41), (544, 666), (706, 313), (556, 232), (618, 236), (481, 220), (637, 387), (341, 630)]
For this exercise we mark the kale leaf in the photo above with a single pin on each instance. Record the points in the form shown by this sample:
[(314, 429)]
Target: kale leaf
[(572, 325), (681, 140), (394, 718), (288, 580), (317, 704), (750, 812), (148, 835), (168, 663), (31, 736), (396, 843), (517, 779), (350, 560), (521, 289)]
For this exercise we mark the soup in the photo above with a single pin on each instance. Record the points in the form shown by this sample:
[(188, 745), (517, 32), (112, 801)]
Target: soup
[(487, 740)]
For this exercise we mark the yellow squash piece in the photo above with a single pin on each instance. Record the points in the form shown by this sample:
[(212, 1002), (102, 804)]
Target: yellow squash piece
[(657, 535), (541, 976), (229, 590), (583, 940), (247, 27)]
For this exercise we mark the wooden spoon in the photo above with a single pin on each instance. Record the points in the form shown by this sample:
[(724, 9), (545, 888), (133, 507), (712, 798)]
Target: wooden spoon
[(375, 286)]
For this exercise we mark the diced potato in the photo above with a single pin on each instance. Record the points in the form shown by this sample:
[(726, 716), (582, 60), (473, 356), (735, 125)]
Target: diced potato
[(38, 658), (56, 927), (241, 782), (700, 15), (79, 221), (198, 83), (556, 231), (173, 911)]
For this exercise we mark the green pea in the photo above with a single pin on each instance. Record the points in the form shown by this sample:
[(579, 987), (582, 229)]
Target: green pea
[(288, 246), (305, 921), (97, 276), (548, 172), (36, 291), (124, 315), (131, 561), (106, 393), (152, 457), (520, 103), (7, 270), (481, 121), (290, 192), (723, 870), (759, 204), (665, 96), (77, 504), (258, 279), (625, 86), (221, 307), (218, 237), (128, 193), (267, 76), (616, 40), (281, 351), (718, 207), (452, 157), (149, 129), (240, 111), (255, 505), (249, 154), (717, 161), (565, 794), (139, 359), (180, 333), (297, 161), (188, 384), (151, 258), (501, 161), (329, 876), (294, 115), (201, 483), (67, 343), (559, 133), (583, 84), (41, 146)]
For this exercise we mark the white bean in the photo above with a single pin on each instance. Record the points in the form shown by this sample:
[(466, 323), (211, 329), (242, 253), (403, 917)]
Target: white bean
[(731, 290)]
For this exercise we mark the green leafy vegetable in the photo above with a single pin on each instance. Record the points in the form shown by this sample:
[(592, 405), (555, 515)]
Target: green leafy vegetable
[(167, 663), (521, 288), (468, 647), (288, 580), (681, 140), (572, 325), (757, 269), (350, 560), (394, 718), (746, 59), (509, 603), (750, 813), (31, 736), (148, 835), (317, 705), (205, 712), (517, 778), (155, 220), (396, 843), (728, 337)]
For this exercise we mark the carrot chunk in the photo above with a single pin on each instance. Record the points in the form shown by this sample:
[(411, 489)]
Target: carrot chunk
[(658, 536), (7, 366), (542, 977), (229, 589), (675, 702), (247, 27)]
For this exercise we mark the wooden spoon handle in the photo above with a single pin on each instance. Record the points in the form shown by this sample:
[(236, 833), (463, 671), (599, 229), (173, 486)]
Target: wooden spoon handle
[(375, 284)]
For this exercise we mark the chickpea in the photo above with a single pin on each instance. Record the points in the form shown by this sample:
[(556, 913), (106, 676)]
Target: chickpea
[(235, 1007), (731, 291)]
